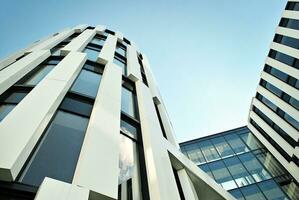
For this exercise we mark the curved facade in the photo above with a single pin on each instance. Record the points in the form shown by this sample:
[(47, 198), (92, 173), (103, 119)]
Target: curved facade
[(82, 118)]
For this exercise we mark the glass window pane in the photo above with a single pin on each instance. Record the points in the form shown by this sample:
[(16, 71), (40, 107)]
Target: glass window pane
[(98, 41), (121, 64), (206, 169), (222, 147), (87, 83), (38, 75), (5, 109), (57, 154), (128, 129), (126, 159), (272, 191), (222, 175), (194, 153), (251, 141), (76, 106), (91, 54), (121, 51), (238, 171), (236, 143), (252, 192), (208, 150), (15, 97), (237, 194), (128, 102), (254, 167)]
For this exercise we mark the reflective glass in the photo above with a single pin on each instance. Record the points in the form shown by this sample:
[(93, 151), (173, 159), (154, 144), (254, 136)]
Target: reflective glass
[(254, 167), (206, 169), (87, 83), (5, 110), (222, 146), (236, 143), (128, 102), (98, 41), (15, 97), (237, 194), (39, 75), (76, 106), (194, 153), (222, 175), (251, 141), (91, 54), (58, 152), (238, 171), (272, 191), (126, 159), (128, 129), (121, 64), (208, 150), (252, 192), (121, 50)]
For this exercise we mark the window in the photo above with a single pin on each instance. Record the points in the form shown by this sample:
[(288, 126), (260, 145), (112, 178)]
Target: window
[(121, 62), (284, 58), (250, 141), (237, 194), (160, 120), (87, 83), (236, 143), (222, 146), (292, 6), (143, 75), (271, 190), (252, 192), (222, 175), (129, 126), (194, 153), (121, 49), (128, 102), (288, 41), (238, 171), (254, 167), (208, 150), (289, 23), (126, 159), (92, 53), (206, 169), (59, 149), (98, 40)]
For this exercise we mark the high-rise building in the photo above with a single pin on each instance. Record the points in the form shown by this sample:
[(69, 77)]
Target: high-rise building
[(274, 112), (81, 118), (242, 165)]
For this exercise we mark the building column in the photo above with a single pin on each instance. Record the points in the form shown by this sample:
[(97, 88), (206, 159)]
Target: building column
[(187, 186), (107, 52), (161, 180), (97, 167), (133, 67), (23, 126)]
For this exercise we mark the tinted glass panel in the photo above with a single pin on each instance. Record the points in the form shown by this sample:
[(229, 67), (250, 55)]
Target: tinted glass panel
[(206, 169), (98, 41), (76, 106), (87, 83), (121, 64), (236, 143), (126, 159), (57, 154), (251, 141), (128, 102), (15, 97), (289, 23), (222, 175), (39, 75), (252, 192), (121, 50), (271, 190), (208, 150), (91, 54), (237, 194), (254, 167), (5, 109), (194, 153), (222, 146), (129, 129)]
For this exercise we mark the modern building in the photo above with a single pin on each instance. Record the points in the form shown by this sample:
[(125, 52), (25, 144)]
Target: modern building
[(242, 165), (81, 118), (274, 112)]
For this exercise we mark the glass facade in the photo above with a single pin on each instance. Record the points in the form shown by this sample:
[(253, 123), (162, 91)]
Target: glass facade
[(242, 165)]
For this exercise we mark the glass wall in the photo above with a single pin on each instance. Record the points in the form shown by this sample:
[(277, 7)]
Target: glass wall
[(242, 165)]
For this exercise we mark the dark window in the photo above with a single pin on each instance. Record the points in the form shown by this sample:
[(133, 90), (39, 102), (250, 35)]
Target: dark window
[(120, 61), (129, 126), (144, 79), (128, 102), (271, 190), (288, 41), (237, 194), (292, 6), (284, 58), (87, 83), (98, 40), (58, 152), (121, 49), (92, 53), (289, 23), (160, 121), (109, 32)]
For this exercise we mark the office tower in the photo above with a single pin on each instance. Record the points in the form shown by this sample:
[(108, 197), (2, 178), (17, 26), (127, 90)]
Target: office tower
[(82, 118), (242, 165), (274, 111)]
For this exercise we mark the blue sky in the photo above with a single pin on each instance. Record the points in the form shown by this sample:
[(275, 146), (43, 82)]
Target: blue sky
[(206, 55)]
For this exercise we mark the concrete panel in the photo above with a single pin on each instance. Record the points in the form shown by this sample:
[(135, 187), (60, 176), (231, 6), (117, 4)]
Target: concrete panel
[(16, 71), (79, 43), (107, 53), (279, 102), (294, 170), (133, 67), (80, 28), (100, 29), (291, 131), (18, 132), (285, 49), (187, 185), (290, 14), (53, 41), (283, 67), (119, 36), (287, 32), (97, 168), (53, 189), (281, 85), (161, 181)]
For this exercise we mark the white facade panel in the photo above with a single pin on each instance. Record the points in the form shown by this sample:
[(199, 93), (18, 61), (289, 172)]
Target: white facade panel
[(80, 28), (133, 67), (288, 32), (107, 52), (285, 49), (290, 14), (283, 67)]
